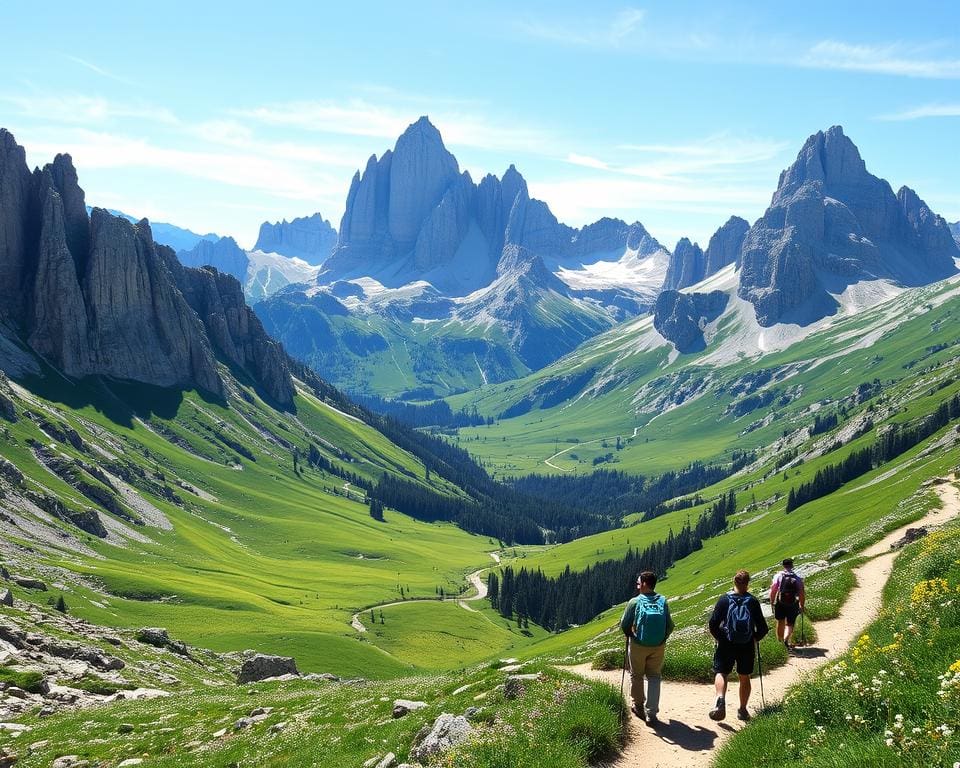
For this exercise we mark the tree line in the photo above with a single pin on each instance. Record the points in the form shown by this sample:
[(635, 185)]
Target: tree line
[(892, 442), (575, 597)]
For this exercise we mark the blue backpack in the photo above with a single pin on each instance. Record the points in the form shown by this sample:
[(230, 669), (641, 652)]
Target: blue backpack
[(739, 624), (650, 628)]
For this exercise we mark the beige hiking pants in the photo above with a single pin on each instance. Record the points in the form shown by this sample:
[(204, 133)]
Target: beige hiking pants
[(645, 661)]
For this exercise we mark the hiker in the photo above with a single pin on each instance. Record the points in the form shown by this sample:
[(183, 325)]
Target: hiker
[(787, 596), (737, 624), (647, 623)]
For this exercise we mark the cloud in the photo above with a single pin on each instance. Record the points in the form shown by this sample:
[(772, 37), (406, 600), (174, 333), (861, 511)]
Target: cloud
[(98, 150), (587, 32), (586, 161), (891, 59), (99, 70), (85, 110), (715, 154), (926, 110), (360, 118)]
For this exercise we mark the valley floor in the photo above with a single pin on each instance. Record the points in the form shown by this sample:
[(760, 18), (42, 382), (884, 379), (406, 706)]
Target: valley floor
[(687, 737)]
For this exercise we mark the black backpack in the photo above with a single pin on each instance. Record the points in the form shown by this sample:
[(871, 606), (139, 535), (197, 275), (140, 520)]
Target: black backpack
[(739, 624), (789, 588)]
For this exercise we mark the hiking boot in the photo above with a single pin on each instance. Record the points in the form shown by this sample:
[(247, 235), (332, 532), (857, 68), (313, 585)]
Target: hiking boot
[(787, 646), (637, 713), (652, 720), (742, 714), (718, 712)]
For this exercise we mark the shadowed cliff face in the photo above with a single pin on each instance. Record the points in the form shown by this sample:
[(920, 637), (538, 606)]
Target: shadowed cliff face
[(831, 222), (310, 238), (96, 296)]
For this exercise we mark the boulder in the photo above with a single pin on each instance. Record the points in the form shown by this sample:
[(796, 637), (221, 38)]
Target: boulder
[(403, 707), (447, 731), (155, 636), (28, 583), (7, 599), (263, 667)]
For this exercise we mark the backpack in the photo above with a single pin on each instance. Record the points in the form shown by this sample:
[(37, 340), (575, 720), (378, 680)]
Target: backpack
[(739, 624), (651, 621), (789, 588)]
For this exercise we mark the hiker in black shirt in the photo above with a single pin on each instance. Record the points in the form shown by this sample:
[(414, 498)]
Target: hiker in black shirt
[(737, 624)]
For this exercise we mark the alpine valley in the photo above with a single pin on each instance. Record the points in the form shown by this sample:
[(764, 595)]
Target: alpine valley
[(212, 555)]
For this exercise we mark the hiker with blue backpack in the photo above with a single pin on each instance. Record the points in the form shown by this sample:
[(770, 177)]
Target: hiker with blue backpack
[(738, 626), (647, 624), (787, 596)]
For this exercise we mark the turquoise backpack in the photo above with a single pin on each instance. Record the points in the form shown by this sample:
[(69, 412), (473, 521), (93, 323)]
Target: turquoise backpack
[(651, 620)]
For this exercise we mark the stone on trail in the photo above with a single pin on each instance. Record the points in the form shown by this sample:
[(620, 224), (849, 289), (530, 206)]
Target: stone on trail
[(7, 599), (447, 731), (389, 760)]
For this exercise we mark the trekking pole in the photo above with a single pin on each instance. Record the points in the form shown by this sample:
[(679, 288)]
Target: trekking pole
[(623, 675), (760, 666), (802, 640)]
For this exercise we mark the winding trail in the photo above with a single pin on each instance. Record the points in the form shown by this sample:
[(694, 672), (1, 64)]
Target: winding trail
[(549, 461), (474, 578), (687, 737)]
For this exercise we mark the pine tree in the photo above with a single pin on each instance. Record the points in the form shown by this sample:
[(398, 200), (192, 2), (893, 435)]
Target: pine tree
[(61, 604)]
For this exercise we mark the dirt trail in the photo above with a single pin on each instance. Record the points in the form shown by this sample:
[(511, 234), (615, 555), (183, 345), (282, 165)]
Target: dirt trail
[(687, 737), (475, 578)]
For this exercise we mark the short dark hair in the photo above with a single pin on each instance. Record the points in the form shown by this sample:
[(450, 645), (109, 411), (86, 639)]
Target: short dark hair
[(787, 562), (649, 578), (742, 577)]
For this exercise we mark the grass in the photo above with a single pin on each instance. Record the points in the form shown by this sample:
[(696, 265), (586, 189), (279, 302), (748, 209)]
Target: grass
[(264, 557), (558, 720), (894, 699)]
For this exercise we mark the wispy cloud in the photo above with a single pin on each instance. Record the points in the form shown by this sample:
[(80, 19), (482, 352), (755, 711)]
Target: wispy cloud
[(926, 110), (608, 32), (720, 153), (84, 110), (358, 117), (890, 59), (97, 150), (99, 70)]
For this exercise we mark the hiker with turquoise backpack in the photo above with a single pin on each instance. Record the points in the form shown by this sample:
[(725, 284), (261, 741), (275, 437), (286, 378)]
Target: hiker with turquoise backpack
[(647, 624), (738, 626)]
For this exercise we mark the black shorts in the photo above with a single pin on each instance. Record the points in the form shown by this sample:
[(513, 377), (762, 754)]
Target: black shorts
[(729, 654), (786, 611)]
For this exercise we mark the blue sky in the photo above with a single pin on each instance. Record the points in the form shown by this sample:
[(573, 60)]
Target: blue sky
[(218, 116)]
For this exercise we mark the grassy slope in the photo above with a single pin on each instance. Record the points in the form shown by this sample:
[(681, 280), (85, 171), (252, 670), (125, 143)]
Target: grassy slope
[(275, 561), (829, 368)]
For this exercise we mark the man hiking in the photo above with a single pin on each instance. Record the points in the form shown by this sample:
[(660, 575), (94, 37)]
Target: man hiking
[(647, 623), (736, 624), (787, 596)]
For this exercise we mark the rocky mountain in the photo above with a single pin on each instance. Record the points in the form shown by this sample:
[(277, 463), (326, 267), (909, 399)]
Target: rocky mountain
[(95, 295), (682, 317), (223, 254), (687, 266), (955, 229), (447, 262), (178, 238), (310, 238), (831, 224)]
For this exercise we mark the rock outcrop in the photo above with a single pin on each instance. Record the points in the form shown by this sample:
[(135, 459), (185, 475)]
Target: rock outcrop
[(724, 246), (96, 296), (235, 331), (262, 667), (955, 230), (311, 238), (687, 266), (223, 254), (681, 317), (832, 223)]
